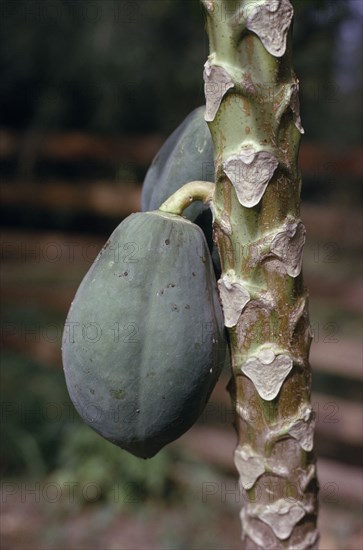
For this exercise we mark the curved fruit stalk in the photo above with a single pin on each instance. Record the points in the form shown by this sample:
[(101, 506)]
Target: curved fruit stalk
[(252, 108), (193, 191)]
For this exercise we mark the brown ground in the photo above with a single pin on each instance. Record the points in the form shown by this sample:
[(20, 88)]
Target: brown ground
[(31, 525)]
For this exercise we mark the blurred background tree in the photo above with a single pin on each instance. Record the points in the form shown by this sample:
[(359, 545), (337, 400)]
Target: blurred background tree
[(122, 66)]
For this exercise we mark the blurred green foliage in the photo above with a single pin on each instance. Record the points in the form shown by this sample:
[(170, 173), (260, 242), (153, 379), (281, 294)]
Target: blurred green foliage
[(117, 476), (102, 66), (35, 410)]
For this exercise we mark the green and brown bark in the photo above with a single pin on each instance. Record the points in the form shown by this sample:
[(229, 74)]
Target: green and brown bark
[(252, 109)]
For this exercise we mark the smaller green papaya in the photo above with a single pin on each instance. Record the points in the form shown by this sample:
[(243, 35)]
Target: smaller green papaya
[(187, 155), (144, 340)]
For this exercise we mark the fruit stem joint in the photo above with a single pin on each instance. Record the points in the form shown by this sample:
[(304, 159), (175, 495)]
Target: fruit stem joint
[(186, 195)]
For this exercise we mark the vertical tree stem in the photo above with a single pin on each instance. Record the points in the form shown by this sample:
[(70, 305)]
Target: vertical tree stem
[(252, 108)]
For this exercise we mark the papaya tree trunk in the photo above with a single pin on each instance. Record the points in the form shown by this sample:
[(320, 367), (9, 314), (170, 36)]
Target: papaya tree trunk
[(252, 108)]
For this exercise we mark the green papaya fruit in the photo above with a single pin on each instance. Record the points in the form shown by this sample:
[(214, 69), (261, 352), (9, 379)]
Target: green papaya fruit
[(187, 155), (144, 340)]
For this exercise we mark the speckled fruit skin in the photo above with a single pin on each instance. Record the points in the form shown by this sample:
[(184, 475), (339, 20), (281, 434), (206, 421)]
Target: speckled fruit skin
[(187, 155), (144, 340)]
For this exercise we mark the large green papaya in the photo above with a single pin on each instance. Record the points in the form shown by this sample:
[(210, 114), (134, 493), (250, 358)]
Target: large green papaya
[(144, 340), (187, 155)]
